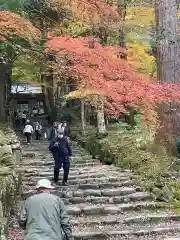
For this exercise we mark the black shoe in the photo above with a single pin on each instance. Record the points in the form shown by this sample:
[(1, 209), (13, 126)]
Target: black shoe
[(65, 184), (56, 175), (56, 179)]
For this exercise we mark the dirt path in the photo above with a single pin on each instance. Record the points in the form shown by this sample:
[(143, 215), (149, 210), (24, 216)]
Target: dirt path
[(102, 200)]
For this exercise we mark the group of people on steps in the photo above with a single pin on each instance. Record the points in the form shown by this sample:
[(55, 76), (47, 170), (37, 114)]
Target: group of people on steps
[(30, 129), (59, 145), (43, 215)]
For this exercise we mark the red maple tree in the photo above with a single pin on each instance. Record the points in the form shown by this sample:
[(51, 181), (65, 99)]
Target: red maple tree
[(100, 69), (13, 25)]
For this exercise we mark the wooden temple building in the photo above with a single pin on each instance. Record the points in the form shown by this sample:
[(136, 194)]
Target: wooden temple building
[(26, 97)]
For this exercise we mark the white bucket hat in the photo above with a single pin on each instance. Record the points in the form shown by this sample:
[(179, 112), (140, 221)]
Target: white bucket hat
[(44, 183)]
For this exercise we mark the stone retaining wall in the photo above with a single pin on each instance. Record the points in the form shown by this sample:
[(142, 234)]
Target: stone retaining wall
[(10, 180)]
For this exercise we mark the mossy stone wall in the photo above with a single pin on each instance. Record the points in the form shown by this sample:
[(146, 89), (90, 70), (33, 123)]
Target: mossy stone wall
[(10, 179)]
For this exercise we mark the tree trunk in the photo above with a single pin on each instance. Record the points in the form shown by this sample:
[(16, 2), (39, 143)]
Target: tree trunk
[(8, 85), (130, 117), (46, 103), (168, 69), (4, 74), (82, 117), (101, 127), (122, 5), (2, 102)]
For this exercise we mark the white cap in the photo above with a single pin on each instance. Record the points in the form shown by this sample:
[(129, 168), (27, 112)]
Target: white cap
[(44, 183)]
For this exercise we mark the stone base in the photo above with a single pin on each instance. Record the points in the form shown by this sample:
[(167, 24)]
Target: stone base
[(10, 181)]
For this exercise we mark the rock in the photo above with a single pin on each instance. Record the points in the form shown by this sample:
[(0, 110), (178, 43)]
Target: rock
[(91, 210), (111, 210), (68, 194), (87, 186), (92, 192), (29, 155), (118, 192), (78, 194), (139, 196), (16, 146), (65, 201), (77, 200), (89, 235), (98, 200), (74, 211)]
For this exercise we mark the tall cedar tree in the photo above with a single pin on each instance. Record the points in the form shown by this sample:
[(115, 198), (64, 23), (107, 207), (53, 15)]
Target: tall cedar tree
[(168, 68)]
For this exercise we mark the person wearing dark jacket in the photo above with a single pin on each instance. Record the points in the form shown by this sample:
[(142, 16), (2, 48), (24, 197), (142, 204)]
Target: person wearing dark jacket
[(53, 132), (61, 151), (66, 129)]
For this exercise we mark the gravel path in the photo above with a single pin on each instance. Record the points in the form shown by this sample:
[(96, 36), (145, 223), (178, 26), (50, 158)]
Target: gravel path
[(103, 201)]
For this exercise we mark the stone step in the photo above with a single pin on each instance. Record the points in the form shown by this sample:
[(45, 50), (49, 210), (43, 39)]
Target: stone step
[(102, 200), (48, 168), (104, 192), (33, 182), (38, 150), (172, 238), (98, 167), (42, 155), (112, 200), (75, 156), (124, 234), (76, 174), (85, 169), (90, 192), (80, 155), (29, 155), (36, 163), (103, 168), (45, 170), (130, 218), (77, 180), (87, 177), (99, 209), (123, 183), (106, 185), (51, 163)]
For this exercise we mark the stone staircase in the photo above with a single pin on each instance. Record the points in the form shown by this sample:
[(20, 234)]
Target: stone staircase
[(103, 201)]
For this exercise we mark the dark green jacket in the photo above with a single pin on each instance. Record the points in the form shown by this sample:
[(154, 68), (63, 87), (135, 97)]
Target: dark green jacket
[(44, 217)]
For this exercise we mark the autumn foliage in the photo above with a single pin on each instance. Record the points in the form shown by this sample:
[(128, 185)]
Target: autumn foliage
[(91, 11), (99, 69), (14, 26)]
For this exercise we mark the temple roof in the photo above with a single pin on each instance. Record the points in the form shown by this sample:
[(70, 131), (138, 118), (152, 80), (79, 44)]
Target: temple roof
[(25, 89)]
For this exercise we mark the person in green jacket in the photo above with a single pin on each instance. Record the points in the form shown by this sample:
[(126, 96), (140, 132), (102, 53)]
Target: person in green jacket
[(43, 216)]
